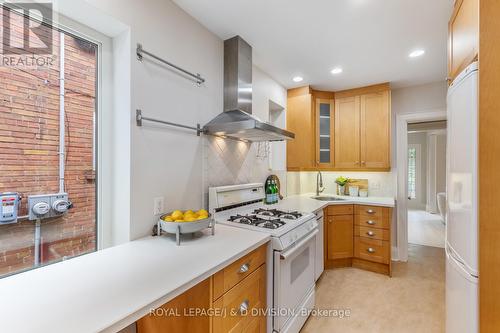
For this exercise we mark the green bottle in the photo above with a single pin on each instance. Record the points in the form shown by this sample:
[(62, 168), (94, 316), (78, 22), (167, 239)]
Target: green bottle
[(269, 193), (275, 192)]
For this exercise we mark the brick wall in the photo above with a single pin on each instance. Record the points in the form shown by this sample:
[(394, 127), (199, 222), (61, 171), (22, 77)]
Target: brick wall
[(29, 143)]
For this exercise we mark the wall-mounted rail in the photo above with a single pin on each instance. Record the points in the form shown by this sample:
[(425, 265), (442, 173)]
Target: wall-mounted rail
[(139, 118), (140, 55)]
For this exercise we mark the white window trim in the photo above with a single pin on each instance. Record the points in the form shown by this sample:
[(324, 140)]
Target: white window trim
[(418, 170)]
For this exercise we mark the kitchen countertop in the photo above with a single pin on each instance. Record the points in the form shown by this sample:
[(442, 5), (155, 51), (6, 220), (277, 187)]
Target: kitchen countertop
[(107, 290), (305, 202)]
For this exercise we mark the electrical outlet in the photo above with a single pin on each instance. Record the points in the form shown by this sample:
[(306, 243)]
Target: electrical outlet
[(158, 205)]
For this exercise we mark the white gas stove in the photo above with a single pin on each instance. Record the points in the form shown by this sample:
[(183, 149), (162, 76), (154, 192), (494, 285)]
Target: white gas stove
[(292, 254)]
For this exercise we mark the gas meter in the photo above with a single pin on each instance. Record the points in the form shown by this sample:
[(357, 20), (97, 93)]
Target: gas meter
[(9, 204)]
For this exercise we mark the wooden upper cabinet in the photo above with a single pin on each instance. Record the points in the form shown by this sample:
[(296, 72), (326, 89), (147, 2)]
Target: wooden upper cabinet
[(375, 130), (463, 44), (346, 130), (347, 119), (324, 132), (300, 152)]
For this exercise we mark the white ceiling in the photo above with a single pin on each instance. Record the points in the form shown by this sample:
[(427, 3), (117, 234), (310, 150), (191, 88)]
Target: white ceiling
[(369, 39)]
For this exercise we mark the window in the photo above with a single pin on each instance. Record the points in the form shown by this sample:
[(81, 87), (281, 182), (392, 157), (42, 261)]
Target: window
[(32, 109), (412, 173)]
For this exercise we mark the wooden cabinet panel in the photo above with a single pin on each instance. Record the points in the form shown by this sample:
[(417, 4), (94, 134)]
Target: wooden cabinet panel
[(372, 250), (347, 118), (340, 236), (171, 317), (300, 120), (375, 130), (372, 233), (325, 120), (339, 210), (463, 36), (226, 278), (251, 292)]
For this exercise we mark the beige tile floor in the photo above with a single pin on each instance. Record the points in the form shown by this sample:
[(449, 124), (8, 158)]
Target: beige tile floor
[(412, 301), (425, 228)]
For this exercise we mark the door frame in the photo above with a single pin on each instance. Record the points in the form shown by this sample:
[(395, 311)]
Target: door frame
[(402, 121)]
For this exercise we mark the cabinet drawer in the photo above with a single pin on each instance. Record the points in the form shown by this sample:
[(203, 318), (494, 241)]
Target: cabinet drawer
[(372, 221), (340, 210), (250, 294), (372, 233), (371, 210), (228, 277), (372, 250)]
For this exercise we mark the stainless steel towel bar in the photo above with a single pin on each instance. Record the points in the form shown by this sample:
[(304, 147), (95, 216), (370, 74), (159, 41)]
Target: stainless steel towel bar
[(141, 52), (139, 118)]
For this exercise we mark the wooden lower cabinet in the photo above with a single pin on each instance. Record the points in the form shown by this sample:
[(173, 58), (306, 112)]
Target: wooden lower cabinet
[(229, 301), (340, 236), (358, 236), (241, 303)]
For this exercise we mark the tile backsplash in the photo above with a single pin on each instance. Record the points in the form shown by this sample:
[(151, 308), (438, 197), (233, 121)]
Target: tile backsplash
[(380, 184), (229, 162)]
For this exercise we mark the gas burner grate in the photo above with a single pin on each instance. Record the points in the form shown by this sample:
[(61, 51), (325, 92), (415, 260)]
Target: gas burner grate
[(257, 221), (278, 213)]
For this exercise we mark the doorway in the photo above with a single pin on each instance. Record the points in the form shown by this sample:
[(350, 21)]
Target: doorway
[(426, 183), (404, 123)]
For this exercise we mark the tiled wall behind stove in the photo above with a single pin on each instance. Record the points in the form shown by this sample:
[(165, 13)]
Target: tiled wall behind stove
[(230, 162)]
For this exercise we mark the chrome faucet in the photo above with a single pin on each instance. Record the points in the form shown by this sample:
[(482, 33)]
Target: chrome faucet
[(319, 183)]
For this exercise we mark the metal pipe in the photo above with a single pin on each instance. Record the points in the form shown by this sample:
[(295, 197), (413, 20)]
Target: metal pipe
[(62, 114), (37, 243), (139, 118), (140, 52)]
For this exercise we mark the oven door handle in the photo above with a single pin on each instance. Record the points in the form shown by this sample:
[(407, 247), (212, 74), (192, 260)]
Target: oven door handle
[(286, 254)]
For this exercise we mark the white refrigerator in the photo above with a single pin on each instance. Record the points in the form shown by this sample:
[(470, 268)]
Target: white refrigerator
[(462, 210)]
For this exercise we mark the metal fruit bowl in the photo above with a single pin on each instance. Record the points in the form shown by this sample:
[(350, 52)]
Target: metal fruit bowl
[(180, 228)]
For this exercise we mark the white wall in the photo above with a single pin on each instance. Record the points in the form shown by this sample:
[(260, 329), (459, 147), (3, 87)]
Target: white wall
[(169, 162)]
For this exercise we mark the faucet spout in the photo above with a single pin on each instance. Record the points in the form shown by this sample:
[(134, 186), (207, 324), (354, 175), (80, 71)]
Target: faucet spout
[(319, 183)]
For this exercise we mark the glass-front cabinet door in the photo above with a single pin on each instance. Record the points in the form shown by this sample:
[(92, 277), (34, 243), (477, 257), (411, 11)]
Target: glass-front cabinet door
[(324, 132)]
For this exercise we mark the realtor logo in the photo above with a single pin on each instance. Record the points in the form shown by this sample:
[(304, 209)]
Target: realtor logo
[(27, 30)]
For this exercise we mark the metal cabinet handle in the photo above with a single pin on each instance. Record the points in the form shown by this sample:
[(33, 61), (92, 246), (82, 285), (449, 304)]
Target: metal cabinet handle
[(370, 233), (370, 222), (244, 268), (244, 306), (370, 211), (370, 250), (362, 162)]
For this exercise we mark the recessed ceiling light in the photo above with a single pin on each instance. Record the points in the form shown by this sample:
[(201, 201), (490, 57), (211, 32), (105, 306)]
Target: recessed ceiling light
[(298, 79), (416, 53), (336, 70)]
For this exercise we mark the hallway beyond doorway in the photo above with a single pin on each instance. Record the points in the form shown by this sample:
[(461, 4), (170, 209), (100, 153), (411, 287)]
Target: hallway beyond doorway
[(425, 229)]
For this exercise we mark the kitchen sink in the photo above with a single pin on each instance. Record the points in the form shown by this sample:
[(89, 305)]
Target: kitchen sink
[(326, 198)]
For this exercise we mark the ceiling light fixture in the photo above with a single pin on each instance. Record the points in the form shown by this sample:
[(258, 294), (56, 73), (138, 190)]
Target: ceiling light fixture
[(416, 53), (336, 70), (298, 79)]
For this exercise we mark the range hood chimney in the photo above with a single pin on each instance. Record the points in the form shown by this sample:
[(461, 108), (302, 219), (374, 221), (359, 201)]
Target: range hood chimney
[(237, 121)]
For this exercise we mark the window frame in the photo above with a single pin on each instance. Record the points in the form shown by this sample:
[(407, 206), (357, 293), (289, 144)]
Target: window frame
[(418, 170), (104, 57)]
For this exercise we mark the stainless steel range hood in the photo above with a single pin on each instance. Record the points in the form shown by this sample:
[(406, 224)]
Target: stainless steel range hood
[(237, 121)]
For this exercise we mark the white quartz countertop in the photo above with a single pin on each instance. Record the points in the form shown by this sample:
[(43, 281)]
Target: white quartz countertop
[(107, 290), (305, 202)]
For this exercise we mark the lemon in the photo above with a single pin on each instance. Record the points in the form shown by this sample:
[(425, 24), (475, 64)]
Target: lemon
[(202, 212), (189, 219), (167, 218), (188, 212), (177, 215), (179, 220), (201, 217)]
